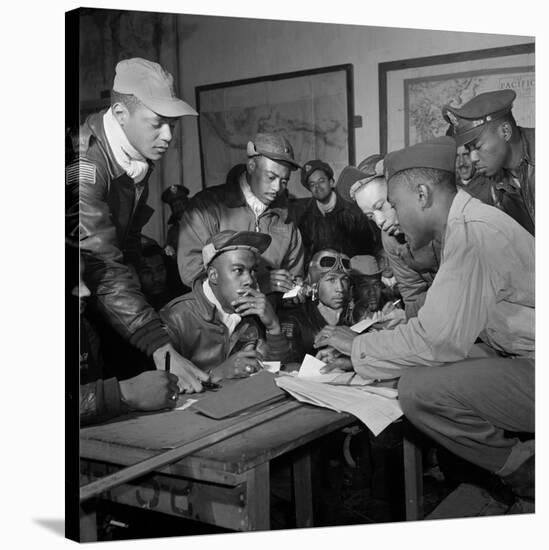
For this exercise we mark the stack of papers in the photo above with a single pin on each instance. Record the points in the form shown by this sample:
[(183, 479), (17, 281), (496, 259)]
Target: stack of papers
[(343, 391), (311, 367), (375, 407)]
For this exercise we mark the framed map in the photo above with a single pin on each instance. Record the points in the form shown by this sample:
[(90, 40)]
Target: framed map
[(413, 91), (313, 109)]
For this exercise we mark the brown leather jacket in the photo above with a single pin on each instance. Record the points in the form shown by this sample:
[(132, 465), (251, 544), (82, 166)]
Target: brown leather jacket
[(113, 210), (199, 335), (224, 207)]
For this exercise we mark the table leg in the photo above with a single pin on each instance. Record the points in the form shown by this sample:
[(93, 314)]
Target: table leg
[(413, 479), (303, 489), (88, 522), (258, 498)]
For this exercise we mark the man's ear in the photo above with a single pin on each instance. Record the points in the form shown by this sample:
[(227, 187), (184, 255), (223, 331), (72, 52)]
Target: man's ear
[(505, 130), (212, 275), (332, 183), (121, 113), (250, 166), (424, 195)]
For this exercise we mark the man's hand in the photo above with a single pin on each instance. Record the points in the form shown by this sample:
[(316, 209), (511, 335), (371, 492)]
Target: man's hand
[(189, 376), (239, 365), (340, 363), (391, 316), (150, 391), (281, 280), (340, 338), (327, 354), (256, 303)]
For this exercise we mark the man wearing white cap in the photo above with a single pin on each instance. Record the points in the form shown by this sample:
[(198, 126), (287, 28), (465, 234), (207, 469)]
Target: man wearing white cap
[(109, 184)]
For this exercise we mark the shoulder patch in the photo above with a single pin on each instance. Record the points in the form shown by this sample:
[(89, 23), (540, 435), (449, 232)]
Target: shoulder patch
[(80, 171)]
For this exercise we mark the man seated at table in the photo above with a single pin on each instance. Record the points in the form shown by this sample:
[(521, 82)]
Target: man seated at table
[(483, 289), (329, 275), (225, 325)]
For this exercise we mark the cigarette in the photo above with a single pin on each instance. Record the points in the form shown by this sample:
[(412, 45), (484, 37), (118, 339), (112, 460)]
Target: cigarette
[(397, 301)]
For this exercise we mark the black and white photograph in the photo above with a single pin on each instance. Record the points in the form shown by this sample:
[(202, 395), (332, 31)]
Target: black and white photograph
[(300, 277)]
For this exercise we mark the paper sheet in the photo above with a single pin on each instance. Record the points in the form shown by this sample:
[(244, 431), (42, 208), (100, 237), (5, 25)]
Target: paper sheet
[(361, 326), (292, 293), (271, 366), (310, 366), (365, 402), (186, 404)]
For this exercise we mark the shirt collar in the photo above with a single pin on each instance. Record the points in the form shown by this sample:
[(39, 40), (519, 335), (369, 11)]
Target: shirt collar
[(253, 202)]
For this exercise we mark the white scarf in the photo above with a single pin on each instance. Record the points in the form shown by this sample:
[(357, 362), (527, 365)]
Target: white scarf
[(331, 316), (129, 159), (326, 208), (253, 202), (230, 320)]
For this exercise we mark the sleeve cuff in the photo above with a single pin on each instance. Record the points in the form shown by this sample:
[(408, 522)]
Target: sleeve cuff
[(150, 337)]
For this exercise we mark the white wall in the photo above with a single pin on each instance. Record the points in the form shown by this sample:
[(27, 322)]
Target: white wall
[(217, 49)]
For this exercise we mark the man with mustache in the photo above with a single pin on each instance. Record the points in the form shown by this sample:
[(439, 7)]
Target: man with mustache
[(253, 199)]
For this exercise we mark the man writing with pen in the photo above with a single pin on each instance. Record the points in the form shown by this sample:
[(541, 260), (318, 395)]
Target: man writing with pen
[(225, 325)]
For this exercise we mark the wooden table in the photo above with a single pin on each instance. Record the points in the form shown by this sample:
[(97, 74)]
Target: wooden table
[(226, 484)]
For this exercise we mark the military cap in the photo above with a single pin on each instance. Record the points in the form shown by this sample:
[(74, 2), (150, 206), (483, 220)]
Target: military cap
[(152, 85), (438, 153), (346, 183), (308, 168), (469, 121), (233, 240), (365, 265), (274, 147)]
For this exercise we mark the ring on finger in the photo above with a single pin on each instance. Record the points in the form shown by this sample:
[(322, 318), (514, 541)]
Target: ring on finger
[(174, 397)]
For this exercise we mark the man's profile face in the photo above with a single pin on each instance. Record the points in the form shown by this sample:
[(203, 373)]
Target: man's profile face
[(333, 290), (411, 217), (372, 200), (464, 165), (267, 178), (148, 132), (152, 274), (320, 185), (236, 272), (489, 151)]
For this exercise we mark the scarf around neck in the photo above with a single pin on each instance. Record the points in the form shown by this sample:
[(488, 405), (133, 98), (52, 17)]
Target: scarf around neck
[(253, 202), (331, 316), (129, 159)]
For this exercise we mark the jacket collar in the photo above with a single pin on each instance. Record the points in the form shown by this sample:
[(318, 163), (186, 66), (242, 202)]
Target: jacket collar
[(94, 123), (234, 198)]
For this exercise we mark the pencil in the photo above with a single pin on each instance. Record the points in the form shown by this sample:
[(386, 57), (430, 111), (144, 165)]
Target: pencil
[(167, 361)]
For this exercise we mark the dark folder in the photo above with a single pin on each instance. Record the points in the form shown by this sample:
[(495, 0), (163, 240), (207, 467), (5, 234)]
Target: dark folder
[(241, 395)]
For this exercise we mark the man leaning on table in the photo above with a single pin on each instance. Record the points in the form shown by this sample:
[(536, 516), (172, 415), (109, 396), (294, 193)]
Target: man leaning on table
[(483, 289), (108, 185)]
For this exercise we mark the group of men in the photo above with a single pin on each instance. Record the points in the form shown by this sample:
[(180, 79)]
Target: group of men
[(463, 348)]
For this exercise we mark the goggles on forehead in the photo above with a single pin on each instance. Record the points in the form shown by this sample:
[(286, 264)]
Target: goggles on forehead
[(328, 262)]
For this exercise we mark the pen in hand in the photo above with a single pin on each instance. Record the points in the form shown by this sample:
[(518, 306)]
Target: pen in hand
[(167, 361)]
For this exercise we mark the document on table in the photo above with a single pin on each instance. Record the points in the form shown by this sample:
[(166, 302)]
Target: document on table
[(375, 407), (311, 367)]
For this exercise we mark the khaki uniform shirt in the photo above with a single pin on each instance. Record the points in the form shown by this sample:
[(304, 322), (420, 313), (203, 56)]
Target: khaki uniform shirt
[(484, 288)]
